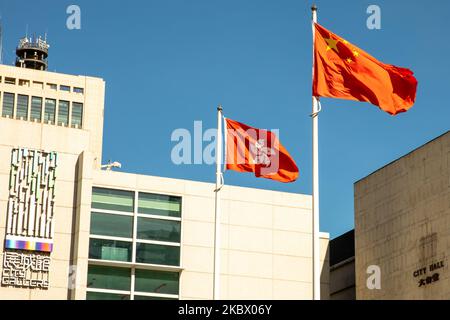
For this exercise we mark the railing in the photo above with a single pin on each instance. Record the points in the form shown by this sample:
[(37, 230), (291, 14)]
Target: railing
[(33, 45), (33, 58)]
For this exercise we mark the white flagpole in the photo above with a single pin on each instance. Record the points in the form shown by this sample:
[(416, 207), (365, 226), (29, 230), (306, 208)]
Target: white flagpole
[(315, 193), (216, 286)]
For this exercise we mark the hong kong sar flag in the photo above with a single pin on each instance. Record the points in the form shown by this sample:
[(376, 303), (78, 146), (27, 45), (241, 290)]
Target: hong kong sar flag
[(259, 151)]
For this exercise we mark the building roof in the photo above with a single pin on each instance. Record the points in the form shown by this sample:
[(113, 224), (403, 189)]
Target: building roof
[(405, 155)]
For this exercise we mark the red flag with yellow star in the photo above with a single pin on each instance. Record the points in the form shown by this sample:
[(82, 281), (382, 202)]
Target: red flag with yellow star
[(342, 70)]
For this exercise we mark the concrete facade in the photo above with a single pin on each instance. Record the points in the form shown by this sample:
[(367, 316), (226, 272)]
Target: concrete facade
[(402, 214), (266, 238), (69, 143), (266, 235)]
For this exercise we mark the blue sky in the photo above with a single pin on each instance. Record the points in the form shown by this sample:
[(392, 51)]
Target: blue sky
[(168, 63)]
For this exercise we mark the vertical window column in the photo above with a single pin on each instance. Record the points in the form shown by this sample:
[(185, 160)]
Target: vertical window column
[(77, 115), (8, 105), (63, 113), (22, 107), (36, 109), (49, 112)]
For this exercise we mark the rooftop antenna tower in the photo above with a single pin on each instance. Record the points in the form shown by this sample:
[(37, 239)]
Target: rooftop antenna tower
[(32, 53)]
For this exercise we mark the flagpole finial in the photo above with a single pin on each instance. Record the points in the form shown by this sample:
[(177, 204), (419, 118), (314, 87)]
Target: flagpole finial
[(314, 7), (219, 107)]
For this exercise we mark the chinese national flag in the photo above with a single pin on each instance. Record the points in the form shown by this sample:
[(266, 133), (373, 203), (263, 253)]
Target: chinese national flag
[(344, 71), (259, 151)]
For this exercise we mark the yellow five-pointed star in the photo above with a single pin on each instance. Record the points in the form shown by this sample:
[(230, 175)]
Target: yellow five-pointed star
[(349, 60), (355, 53), (332, 44)]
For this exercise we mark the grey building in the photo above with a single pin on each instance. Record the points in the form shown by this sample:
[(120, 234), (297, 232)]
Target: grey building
[(402, 219), (342, 267)]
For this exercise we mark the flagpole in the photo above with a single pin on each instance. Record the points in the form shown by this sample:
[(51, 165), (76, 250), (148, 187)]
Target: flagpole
[(216, 285), (315, 193)]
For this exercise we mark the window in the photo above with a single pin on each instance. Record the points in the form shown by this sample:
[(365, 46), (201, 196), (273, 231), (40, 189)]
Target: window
[(109, 199), (157, 254), (8, 105), (112, 250), (63, 113), (22, 107), (49, 112), (78, 90), (10, 81), (113, 225), (159, 230), (52, 86), (64, 88), (36, 109), (24, 83), (77, 114), (114, 241), (136, 297), (38, 85), (156, 281), (156, 204), (106, 296), (103, 277)]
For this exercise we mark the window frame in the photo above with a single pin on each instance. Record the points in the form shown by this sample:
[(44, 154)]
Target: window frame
[(41, 109), (133, 264), (14, 97), (27, 107), (72, 108), (58, 122), (52, 121)]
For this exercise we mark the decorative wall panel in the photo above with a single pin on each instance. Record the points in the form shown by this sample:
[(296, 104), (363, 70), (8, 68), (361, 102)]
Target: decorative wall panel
[(30, 216)]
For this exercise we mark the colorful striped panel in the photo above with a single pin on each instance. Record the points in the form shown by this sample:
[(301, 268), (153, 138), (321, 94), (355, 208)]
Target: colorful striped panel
[(28, 245)]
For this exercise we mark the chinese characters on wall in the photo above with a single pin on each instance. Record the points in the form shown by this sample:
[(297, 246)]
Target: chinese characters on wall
[(425, 278), (25, 269)]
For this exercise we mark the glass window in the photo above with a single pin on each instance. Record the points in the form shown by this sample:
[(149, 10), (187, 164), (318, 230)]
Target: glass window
[(157, 254), (151, 298), (78, 90), (157, 204), (22, 107), (38, 85), (36, 108), (104, 277), (156, 281), (113, 250), (77, 114), (8, 105), (160, 230), (63, 113), (106, 296), (64, 88), (114, 225), (24, 83), (10, 80), (52, 86), (110, 199), (49, 112)]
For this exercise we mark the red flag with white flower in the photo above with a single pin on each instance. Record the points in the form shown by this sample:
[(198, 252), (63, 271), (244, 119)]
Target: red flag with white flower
[(259, 151)]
